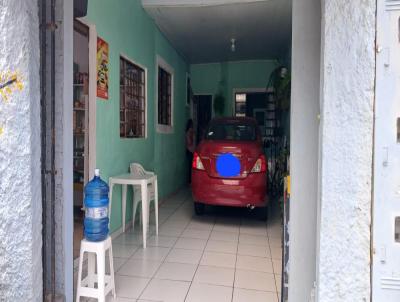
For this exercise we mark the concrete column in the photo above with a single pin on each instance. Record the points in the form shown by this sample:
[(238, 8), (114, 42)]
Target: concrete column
[(20, 177), (304, 144), (347, 94)]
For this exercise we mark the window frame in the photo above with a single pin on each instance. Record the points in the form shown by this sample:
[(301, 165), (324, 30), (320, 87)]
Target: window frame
[(161, 63), (127, 58)]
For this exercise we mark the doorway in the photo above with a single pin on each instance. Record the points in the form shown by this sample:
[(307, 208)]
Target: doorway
[(202, 113), (80, 126)]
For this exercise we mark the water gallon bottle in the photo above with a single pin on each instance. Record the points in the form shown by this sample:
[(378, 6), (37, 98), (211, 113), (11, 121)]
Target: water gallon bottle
[(96, 209)]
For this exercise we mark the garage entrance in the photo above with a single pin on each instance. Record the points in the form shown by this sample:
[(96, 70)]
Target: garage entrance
[(227, 254), (224, 59), (141, 112)]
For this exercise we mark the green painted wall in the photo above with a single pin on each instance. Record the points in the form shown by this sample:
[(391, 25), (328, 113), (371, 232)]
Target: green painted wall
[(227, 76), (131, 32)]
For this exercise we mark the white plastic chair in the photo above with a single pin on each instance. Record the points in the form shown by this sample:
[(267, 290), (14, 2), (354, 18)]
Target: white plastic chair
[(138, 170)]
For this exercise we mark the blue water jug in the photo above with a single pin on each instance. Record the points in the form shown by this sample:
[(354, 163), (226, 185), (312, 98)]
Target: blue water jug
[(96, 209)]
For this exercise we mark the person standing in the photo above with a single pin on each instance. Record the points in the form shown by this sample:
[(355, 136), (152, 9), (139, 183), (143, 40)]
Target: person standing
[(190, 146)]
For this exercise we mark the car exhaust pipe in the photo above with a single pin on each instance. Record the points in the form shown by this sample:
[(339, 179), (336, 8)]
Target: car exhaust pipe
[(250, 206)]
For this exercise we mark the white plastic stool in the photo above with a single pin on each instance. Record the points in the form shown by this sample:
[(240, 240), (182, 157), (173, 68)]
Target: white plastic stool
[(105, 283)]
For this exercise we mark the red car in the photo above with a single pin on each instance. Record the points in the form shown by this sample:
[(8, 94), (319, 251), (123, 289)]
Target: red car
[(229, 167)]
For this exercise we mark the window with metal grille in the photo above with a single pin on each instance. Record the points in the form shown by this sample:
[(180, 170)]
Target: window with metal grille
[(164, 97), (132, 100)]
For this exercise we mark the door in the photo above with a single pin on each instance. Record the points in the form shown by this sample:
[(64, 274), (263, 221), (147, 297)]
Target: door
[(203, 105), (386, 208), (80, 104)]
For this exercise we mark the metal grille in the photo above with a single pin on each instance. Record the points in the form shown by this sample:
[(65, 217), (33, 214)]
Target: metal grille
[(132, 100), (164, 97)]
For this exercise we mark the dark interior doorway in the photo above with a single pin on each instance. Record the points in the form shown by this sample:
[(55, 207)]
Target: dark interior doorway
[(203, 113)]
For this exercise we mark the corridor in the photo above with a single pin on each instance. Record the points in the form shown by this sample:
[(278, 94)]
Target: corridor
[(225, 255)]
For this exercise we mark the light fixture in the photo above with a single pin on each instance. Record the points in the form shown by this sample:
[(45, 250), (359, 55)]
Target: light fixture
[(233, 46)]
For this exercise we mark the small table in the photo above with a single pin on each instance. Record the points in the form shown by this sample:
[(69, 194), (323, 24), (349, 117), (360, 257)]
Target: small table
[(143, 181)]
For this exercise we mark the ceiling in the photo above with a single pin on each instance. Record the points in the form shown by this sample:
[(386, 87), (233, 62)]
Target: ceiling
[(202, 30)]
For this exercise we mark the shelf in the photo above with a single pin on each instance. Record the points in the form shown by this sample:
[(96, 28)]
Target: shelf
[(79, 85), (78, 186), (79, 109)]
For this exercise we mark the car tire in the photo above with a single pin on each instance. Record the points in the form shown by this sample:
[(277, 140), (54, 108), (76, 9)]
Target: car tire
[(263, 213), (199, 208)]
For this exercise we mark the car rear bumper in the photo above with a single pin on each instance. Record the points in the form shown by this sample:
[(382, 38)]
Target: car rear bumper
[(230, 192)]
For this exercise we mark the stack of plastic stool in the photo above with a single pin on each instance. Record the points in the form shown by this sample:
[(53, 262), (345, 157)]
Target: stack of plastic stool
[(105, 283)]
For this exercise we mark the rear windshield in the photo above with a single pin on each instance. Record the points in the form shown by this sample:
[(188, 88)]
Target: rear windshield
[(231, 131)]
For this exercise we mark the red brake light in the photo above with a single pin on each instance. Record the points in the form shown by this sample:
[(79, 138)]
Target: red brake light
[(260, 165), (196, 163)]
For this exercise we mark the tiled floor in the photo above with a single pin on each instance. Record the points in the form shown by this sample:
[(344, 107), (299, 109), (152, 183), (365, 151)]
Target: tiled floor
[(225, 255)]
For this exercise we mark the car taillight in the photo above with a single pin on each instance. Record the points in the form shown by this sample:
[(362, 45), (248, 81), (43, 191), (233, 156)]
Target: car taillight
[(196, 163), (260, 165)]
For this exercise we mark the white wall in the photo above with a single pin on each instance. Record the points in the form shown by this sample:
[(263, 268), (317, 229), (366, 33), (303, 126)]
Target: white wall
[(20, 177), (347, 91), (304, 139)]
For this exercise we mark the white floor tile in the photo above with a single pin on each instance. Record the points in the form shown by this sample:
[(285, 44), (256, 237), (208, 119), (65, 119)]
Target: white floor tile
[(197, 225), (215, 257), (123, 251), (255, 280), (118, 262), (184, 256), (207, 219), (166, 290), (278, 282), (177, 224), (275, 242), (129, 238), (277, 264), (224, 236), (176, 271), (130, 287), (275, 233), (109, 298), (218, 259), (118, 299), (254, 250), (276, 253), (228, 220), (252, 263), (193, 233), (247, 295), (253, 239), (200, 292), (170, 231), (139, 268), (163, 241), (254, 230), (214, 275), (152, 253), (221, 246), (227, 228), (191, 244)]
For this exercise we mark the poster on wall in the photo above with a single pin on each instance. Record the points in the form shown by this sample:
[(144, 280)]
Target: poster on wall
[(102, 68)]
